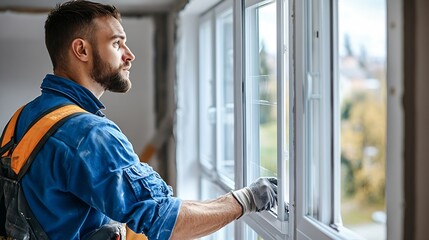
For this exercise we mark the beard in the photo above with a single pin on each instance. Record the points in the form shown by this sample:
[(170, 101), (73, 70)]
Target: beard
[(108, 77)]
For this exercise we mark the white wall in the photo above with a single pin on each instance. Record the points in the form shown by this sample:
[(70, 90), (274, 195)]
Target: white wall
[(24, 61), (134, 111)]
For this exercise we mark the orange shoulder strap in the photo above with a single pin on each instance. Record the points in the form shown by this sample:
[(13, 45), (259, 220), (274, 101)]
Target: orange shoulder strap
[(27, 148)]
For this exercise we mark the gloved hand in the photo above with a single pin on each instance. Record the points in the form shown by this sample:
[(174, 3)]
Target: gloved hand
[(259, 196)]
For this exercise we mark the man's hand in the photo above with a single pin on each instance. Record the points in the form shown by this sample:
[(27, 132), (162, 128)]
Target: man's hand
[(261, 195)]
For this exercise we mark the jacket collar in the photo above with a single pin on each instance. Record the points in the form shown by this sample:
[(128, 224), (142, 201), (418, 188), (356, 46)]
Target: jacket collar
[(73, 91)]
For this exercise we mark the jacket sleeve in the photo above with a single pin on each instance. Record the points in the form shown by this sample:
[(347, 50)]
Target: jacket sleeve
[(109, 177)]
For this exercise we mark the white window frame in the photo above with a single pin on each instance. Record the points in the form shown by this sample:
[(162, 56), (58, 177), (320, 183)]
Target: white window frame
[(319, 37), (395, 121), (271, 225), (224, 8), (211, 171), (268, 225), (328, 225)]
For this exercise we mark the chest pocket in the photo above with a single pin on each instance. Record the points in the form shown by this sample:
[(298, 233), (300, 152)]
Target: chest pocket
[(147, 183)]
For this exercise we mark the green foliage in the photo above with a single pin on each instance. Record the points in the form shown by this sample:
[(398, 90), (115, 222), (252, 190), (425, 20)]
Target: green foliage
[(268, 136), (345, 112), (348, 177), (363, 136)]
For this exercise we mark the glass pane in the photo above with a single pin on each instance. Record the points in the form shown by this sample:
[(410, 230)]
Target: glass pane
[(250, 234), (362, 82), (225, 75), (261, 91), (211, 191), (207, 117)]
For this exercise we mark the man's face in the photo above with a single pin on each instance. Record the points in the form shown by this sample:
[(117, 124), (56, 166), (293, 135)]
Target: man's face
[(111, 57)]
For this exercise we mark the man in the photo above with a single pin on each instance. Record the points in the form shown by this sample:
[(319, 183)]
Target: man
[(87, 175)]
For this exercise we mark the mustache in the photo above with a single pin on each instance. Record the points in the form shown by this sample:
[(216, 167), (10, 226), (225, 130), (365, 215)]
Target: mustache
[(126, 65)]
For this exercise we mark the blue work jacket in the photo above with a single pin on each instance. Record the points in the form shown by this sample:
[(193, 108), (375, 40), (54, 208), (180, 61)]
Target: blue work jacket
[(88, 174)]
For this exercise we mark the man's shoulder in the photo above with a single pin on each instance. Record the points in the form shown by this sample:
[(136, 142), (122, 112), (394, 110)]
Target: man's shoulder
[(76, 129)]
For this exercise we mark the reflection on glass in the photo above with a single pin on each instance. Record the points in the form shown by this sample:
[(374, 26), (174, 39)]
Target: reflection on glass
[(226, 95), (207, 101), (362, 76), (261, 91)]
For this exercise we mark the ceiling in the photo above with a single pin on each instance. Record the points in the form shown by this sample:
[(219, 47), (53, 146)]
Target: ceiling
[(124, 6)]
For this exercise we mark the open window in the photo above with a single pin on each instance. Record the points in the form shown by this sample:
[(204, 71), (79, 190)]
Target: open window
[(343, 132), (296, 90), (266, 107)]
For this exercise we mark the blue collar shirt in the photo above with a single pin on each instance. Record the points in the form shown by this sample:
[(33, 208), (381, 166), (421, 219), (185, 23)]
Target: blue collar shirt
[(87, 174)]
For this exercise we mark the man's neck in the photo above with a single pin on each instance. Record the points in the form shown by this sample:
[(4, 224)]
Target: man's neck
[(86, 82)]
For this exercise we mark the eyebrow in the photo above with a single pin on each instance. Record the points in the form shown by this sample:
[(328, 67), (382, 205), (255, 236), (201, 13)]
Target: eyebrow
[(123, 37)]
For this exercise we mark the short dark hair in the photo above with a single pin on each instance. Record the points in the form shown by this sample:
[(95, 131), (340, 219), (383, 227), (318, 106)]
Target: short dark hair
[(71, 20)]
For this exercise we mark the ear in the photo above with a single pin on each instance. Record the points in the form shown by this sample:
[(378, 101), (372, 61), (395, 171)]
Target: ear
[(80, 49)]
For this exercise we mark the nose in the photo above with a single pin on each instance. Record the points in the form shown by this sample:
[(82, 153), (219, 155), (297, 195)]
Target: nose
[(128, 55)]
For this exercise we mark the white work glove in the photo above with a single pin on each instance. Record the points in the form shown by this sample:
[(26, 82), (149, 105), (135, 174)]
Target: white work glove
[(261, 195)]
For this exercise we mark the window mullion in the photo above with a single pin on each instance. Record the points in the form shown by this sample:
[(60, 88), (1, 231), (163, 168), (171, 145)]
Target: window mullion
[(239, 83), (327, 128), (239, 110), (336, 141), (282, 155), (252, 138)]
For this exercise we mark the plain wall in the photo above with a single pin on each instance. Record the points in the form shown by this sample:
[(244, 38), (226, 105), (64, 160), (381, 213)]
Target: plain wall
[(24, 61)]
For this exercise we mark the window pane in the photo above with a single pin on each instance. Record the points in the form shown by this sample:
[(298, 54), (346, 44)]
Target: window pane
[(362, 84), (261, 91), (211, 191), (207, 118), (225, 95), (250, 234)]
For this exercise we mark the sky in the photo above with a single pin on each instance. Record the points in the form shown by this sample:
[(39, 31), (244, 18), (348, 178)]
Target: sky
[(363, 20)]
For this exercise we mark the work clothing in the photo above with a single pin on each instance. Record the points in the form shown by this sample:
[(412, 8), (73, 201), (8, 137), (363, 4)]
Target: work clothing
[(261, 195), (87, 173), (16, 218)]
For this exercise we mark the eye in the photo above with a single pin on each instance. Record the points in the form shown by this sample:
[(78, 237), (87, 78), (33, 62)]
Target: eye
[(116, 44)]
